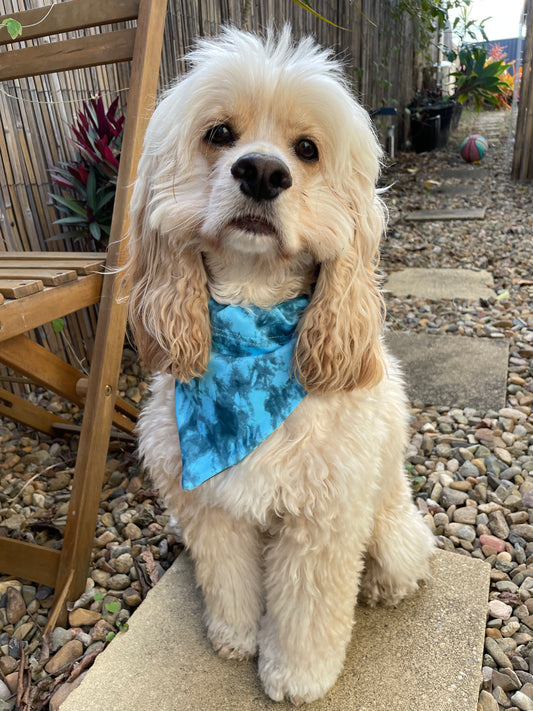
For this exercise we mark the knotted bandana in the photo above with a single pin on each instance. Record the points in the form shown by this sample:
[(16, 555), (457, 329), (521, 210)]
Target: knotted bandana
[(246, 392)]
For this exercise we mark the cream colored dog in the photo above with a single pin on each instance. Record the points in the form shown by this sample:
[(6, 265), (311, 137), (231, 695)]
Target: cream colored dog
[(321, 512)]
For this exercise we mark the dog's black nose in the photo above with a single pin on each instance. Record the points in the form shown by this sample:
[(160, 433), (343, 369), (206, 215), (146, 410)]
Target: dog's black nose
[(262, 177)]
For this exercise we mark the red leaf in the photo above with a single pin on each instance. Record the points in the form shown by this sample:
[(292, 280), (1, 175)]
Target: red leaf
[(60, 180)]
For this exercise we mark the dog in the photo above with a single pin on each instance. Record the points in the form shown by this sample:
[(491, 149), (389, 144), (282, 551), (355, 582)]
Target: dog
[(257, 189)]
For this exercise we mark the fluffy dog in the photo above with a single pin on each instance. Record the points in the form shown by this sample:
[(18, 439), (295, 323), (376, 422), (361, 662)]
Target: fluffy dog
[(258, 185)]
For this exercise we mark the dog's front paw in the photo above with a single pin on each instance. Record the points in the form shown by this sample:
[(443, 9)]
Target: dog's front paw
[(294, 684), (378, 592), (232, 644), (300, 680)]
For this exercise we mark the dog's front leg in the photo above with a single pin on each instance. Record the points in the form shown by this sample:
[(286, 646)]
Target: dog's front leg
[(312, 574), (226, 553)]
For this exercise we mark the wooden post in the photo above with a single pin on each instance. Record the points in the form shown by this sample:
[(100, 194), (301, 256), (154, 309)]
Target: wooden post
[(99, 407), (523, 147)]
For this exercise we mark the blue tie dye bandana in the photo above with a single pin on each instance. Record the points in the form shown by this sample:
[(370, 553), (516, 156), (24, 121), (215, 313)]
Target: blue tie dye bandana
[(246, 392)]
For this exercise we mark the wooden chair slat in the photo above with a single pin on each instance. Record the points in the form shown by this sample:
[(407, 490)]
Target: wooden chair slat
[(49, 277), (15, 289), (28, 561), (122, 434), (70, 54), (81, 266), (21, 315), (70, 16), (21, 410), (44, 368), (98, 257)]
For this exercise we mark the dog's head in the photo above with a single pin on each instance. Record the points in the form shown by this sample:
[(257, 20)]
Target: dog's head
[(259, 161)]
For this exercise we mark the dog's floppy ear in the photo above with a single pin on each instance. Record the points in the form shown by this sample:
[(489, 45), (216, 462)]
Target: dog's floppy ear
[(168, 308), (338, 346)]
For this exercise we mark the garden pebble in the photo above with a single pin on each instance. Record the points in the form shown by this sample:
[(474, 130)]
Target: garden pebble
[(522, 701), (16, 607), (67, 654)]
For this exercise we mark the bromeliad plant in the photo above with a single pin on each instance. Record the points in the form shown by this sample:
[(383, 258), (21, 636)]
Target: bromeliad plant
[(90, 180), (478, 78)]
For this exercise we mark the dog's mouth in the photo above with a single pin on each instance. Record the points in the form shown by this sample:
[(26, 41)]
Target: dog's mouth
[(252, 235), (255, 225)]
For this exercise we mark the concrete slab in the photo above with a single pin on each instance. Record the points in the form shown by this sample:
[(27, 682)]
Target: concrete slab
[(465, 172), (438, 215), (460, 189), (455, 371), (424, 654), (441, 283)]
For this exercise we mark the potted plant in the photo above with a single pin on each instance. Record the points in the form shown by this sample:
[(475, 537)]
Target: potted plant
[(89, 181), (431, 117)]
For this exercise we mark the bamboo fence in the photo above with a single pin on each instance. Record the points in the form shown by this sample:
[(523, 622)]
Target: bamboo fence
[(35, 114)]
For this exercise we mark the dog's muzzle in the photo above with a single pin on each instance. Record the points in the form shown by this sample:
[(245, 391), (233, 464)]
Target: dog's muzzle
[(262, 177)]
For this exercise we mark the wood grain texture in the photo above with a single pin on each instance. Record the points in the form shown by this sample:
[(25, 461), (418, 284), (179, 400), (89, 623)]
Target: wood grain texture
[(21, 315), (68, 55), (16, 289), (70, 16)]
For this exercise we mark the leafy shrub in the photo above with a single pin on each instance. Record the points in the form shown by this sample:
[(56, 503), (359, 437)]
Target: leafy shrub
[(89, 181), (479, 78), (497, 54)]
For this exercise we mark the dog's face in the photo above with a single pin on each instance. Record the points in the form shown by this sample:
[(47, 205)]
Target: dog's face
[(259, 150), (264, 179), (258, 156)]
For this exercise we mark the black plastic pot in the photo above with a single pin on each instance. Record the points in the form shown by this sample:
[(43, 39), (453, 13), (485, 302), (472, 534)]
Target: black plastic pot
[(430, 126), (425, 132), (456, 115)]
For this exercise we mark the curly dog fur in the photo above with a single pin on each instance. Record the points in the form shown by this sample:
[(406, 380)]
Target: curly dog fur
[(321, 512)]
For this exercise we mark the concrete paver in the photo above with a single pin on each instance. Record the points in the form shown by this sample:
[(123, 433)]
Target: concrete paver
[(424, 654), (449, 214), (461, 189), (441, 283), (465, 172), (453, 370)]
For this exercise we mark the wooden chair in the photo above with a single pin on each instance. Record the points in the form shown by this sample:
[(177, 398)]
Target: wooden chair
[(39, 287)]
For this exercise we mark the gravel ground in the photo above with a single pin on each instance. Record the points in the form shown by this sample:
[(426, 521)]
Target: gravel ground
[(472, 471)]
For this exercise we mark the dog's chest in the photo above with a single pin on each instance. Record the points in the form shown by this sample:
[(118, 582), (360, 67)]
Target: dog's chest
[(318, 451)]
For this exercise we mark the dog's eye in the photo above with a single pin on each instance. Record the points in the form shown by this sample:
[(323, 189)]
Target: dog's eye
[(220, 135), (306, 150)]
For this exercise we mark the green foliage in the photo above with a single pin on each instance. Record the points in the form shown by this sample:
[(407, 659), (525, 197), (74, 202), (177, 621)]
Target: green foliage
[(467, 30), (58, 324), (112, 607), (479, 79), (428, 17), (90, 180), (306, 5), (13, 27)]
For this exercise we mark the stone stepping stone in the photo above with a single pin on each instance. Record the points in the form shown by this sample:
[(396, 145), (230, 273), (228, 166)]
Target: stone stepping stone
[(424, 654), (453, 371), (450, 214), (441, 283), (471, 172), (458, 190)]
